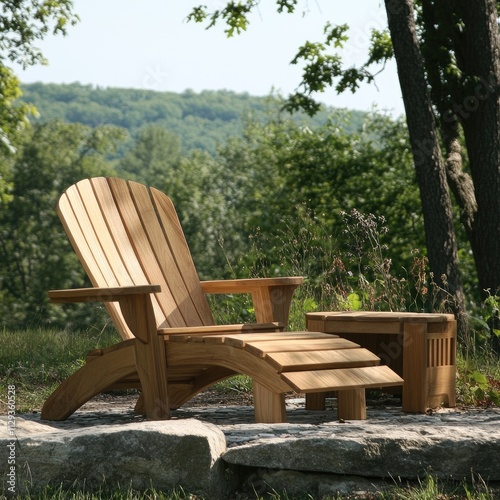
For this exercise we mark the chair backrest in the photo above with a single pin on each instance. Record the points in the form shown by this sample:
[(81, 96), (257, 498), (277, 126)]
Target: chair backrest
[(126, 234)]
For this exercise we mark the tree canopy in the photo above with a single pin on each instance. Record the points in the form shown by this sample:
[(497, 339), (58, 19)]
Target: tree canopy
[(22, 23), (448, 58)]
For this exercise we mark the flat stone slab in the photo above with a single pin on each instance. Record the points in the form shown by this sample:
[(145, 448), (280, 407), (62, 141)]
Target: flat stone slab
[(383, 451), (450, 443)]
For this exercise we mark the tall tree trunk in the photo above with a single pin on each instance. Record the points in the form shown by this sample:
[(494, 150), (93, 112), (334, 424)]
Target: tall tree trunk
[(478, 109), (440, 23), (459, 181), (429, 165)]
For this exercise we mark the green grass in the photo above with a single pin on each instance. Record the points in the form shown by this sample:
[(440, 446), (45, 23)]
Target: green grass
[(37, 360), (428, 488), (105, 493), (238, 383), (431, 488)]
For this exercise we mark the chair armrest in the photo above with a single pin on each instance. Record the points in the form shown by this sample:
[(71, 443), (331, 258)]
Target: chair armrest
[(271, 296), (248, 285), (220, 330), (100, 294), (135, 305)]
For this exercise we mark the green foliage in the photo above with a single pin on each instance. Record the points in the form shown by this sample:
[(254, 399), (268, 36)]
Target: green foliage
[(234, 15), (478, 380), (155, 152), (479, 374), (26, 21), (491, 313), (322, 68), (13, 117), (238, 207), (485, 323), (352, 271), (274, 179), (322, 64), (283, 170), (22, 24), (381, 47), (462, 86), (35, 255)]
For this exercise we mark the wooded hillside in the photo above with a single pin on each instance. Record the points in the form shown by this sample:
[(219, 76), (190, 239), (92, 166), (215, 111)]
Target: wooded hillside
[(201, 121)]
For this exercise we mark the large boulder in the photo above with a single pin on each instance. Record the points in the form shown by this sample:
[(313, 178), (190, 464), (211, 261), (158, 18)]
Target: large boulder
[(161, 454)]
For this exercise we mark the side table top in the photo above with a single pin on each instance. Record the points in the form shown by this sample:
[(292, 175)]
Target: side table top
[(380, 316)]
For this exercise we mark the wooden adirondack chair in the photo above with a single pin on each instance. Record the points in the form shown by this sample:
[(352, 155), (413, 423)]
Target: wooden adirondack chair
[(131, 244)]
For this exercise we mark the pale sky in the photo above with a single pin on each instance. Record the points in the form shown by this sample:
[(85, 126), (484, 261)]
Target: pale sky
[(148, 44)]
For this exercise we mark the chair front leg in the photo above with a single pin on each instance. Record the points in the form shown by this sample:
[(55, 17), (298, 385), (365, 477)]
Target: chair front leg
[(150, 355)]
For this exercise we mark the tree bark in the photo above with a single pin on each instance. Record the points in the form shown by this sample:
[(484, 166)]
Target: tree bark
[(478, 110), (429, 164), (459, 181)]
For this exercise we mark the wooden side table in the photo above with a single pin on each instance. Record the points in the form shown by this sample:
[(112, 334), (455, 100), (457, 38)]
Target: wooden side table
[(419, 347)]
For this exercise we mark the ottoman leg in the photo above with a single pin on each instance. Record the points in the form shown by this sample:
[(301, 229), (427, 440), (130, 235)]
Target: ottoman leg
[(352, 404)]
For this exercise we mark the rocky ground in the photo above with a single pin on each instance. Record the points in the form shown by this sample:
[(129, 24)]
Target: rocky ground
[(213, 397)]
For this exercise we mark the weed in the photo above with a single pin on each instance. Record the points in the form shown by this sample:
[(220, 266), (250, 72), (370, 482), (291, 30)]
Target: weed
[(238, 383)]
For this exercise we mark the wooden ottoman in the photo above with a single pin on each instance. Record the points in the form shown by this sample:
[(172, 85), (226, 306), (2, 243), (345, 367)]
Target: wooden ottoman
[(419, 347)]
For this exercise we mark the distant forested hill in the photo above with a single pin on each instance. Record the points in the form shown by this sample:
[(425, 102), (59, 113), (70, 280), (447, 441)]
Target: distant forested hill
[(201, 121)]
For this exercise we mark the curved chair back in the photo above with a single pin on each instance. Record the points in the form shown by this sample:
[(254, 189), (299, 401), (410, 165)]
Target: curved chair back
[(126, 234)]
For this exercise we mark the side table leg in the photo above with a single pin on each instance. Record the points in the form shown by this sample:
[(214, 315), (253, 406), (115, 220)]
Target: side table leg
[(414, 367), (315, 401)]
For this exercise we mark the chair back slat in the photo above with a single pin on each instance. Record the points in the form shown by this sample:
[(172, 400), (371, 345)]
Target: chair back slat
[(90, 241), (76, 235), (126, 234), (174, 234), (112, 258)]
